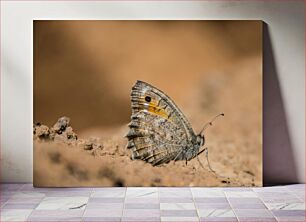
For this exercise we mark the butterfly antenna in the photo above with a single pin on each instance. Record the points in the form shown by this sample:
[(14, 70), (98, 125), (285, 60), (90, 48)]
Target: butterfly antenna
[(210, 122)]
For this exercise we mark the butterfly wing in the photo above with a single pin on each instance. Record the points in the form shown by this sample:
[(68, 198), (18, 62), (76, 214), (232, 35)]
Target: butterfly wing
[(159, 132)]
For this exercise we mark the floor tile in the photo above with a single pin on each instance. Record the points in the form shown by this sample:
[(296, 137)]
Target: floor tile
[(11, 186), (141, 206), (240, 194), (276, 194), (105, 200), (68, 193), (62, 203), (24, 194), (177, 206), (175, 193), (280, 200), (285, 206), (210, 200), (256, 219), (140, 219), (178, 219), (274, 197), (213, 205), (289, 213), (253, 213), (248, 206), (95, 189), (103, 213), (207, 192), (176, 200), (20, 206), (57, 213), (104, 205), (136, 192), (141, 213), (178, 213), (216, 213), (3, 200), (5, 193), (176, 189), (300, 187), (219, 219), (278, 189), (15, 214), (244, 200), (101, 219), (25, 200), (300, 195), (30, 188), (291, 219), (109, 192), (54, 219), (244, 189), (142, 200), (27, 187)]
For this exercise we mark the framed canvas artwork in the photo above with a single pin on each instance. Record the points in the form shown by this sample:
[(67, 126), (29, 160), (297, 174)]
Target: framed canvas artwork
[(147, 103)]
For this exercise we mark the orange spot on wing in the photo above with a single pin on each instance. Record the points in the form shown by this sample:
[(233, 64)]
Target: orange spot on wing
[(153, 108), (158, 111)]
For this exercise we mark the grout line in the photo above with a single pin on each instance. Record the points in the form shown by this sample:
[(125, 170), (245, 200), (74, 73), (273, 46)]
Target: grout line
[(294, 194), (24, 186), (158, 196), (35, 207), (266, 206), (91, 192), (123, 206), (194, 203), (5, 201), (230, 205)]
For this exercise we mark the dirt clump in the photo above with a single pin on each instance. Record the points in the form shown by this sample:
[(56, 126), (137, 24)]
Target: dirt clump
[(62, 132)]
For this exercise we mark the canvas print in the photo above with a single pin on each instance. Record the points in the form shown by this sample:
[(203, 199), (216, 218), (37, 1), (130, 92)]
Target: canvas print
[(147, 103)]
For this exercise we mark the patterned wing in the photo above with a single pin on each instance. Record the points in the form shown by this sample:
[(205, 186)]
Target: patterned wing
[(159, 132)]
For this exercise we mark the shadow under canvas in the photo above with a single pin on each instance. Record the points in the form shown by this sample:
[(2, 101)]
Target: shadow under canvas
[(278, 160)]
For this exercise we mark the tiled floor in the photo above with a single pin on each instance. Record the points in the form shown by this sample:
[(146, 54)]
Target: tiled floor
[(22, 202)]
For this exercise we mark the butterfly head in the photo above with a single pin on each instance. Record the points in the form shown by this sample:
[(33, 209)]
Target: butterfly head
[(200, 140)]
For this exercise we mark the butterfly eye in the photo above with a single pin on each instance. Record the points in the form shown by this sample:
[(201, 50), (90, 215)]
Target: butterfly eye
[(148, 99)]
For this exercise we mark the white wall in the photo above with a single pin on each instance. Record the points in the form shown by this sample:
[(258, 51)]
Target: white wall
[(285, 21)]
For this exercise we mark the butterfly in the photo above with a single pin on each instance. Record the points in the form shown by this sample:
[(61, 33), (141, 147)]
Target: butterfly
[(159, 132)]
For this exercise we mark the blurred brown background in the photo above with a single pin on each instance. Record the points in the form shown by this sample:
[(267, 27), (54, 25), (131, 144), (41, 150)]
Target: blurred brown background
[(85, 69)]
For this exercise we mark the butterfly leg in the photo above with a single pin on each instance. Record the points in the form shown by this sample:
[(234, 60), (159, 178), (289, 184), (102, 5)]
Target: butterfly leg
[(205, 150), (206, 154)]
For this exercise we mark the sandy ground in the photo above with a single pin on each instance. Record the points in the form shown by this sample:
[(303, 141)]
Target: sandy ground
[(64, 165)]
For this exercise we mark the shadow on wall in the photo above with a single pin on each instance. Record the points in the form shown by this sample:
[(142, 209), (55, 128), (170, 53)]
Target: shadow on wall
[(278, 160)]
